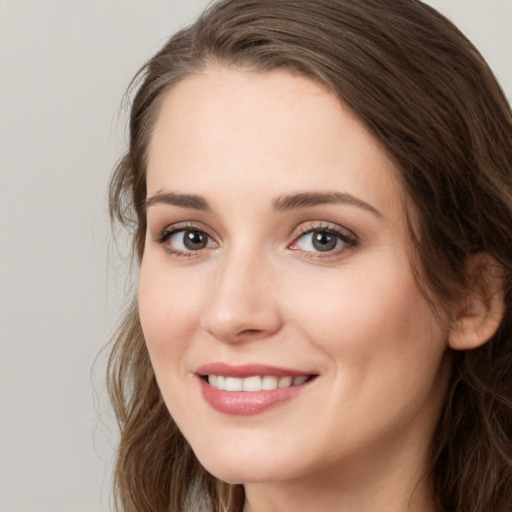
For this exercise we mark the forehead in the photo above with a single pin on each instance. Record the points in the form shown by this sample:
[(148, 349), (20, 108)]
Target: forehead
[(267, 131)]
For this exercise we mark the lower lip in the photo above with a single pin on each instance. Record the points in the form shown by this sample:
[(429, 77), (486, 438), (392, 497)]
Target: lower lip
[(247, 403)]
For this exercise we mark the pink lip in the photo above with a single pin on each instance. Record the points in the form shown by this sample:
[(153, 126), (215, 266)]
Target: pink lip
[(247, 370), (247, 403)]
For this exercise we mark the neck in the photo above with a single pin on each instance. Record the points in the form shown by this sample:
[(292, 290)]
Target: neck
[(320, 496)]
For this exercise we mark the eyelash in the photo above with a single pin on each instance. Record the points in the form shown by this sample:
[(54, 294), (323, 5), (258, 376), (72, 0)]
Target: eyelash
[(348, 239), (167, 233)]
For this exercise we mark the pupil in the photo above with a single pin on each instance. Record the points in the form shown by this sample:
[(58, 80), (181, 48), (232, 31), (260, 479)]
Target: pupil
[(194, 240), (324, 241)]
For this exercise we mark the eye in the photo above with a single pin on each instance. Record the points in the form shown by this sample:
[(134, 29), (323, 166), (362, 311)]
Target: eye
[(323, 240), (189, 240), (185, 241)]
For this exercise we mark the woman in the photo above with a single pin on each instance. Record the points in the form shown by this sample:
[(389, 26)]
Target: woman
[(321, 199)]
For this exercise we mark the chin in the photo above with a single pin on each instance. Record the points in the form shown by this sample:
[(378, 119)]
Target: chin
[(237, 468)]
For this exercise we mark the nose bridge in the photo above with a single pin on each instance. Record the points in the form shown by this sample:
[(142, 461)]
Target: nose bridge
[(242, 304)]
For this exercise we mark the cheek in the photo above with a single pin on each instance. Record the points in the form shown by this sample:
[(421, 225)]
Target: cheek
[(372, 317), (385, 349), (168, 306)]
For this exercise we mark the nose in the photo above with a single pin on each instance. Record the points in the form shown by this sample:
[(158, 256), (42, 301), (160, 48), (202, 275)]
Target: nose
[(243, 303)]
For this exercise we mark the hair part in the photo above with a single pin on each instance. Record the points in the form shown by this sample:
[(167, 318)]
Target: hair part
[(426, 93)]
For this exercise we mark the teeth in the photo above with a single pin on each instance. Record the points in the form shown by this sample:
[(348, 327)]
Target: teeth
[(297, 381), (252, 384), (269, 382), (255, 383), (234, 384), (284, 382)]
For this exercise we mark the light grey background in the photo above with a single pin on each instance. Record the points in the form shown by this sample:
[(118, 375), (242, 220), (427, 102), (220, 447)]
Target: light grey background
[(64, 65)]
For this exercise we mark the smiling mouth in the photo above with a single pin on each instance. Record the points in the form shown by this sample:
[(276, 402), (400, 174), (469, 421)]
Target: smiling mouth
[(246, 390), (255, 383)]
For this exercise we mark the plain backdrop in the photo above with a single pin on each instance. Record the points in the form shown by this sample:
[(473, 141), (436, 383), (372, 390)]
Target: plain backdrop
[(64, 66)]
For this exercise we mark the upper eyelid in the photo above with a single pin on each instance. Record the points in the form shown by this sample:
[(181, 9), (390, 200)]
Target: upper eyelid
[(323, 225), (184, 226)]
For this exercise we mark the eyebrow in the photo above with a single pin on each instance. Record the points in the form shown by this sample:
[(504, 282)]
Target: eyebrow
[(184, 200), (309, 199), (280, 203)]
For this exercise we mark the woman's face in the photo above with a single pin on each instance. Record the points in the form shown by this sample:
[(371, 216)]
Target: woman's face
[(277, 266)]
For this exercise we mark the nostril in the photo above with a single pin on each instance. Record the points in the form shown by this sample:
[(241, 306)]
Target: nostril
[(251, 334)]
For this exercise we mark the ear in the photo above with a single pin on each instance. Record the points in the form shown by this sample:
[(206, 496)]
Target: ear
[(480, 312)]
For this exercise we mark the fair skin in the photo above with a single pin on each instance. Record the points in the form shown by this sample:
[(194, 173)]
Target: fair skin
[(235, 272)]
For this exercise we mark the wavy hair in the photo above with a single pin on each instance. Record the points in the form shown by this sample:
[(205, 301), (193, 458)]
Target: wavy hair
[(426, 93)]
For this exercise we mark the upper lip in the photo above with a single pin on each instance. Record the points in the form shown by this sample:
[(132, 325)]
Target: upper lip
[(248, 370)]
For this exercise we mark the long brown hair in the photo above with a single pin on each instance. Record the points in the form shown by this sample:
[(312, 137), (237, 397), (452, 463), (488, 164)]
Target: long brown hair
[(426, 93)]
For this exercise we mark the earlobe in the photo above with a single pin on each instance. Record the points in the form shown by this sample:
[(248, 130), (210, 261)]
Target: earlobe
[(481, 311)]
